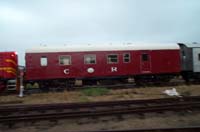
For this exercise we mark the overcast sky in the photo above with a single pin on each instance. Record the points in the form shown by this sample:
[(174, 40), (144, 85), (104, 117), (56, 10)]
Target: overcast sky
[(30, 23)]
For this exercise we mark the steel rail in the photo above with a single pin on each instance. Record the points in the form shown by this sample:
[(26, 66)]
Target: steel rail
[(62, 106), (114, 86), (177, 129), (107, 112)]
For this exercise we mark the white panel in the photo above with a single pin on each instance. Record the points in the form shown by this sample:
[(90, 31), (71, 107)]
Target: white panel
[(196, 59), (107, 47)]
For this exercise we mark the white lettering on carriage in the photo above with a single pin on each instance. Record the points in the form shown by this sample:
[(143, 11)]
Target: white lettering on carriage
[(113, 69)]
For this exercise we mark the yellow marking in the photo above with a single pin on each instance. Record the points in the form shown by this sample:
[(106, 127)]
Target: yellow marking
[(11, 61), (9, 70)]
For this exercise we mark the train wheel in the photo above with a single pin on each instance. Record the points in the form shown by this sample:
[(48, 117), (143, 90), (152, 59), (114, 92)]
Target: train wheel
[(139, 81), (44, 86), (89, 82), (70, 84), (187, 77), (152, 79), (106, 82)]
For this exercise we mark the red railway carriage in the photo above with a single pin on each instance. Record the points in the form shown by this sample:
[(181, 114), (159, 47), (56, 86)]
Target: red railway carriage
[(102, 61), (8, 67)]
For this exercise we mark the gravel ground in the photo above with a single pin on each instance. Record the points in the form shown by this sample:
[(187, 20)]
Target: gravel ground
[(118, 94)]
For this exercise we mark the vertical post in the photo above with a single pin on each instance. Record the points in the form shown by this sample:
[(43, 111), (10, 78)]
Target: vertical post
[(21, 89)]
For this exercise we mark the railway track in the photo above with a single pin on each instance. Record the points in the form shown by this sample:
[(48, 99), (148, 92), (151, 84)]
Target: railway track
[(180, 129), (38, 90), (19, 113), (114, 86), (173, 82)]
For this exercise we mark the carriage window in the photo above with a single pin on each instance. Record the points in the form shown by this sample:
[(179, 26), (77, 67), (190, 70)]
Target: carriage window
[(145, 57), (65, 60), (43, 61), (199, 57), (126, 57), (90, 59), (112, 59)]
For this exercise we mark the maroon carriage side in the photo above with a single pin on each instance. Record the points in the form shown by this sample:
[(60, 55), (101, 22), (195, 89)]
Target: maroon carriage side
[(141, 61)]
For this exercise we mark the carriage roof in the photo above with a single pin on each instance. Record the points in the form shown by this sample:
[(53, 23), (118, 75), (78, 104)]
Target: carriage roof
[(105, 47)]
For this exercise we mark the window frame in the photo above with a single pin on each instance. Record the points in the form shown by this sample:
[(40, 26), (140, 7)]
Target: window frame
[(59, 60), (147, 58), (129, 57), (88, 55), (113, 62)]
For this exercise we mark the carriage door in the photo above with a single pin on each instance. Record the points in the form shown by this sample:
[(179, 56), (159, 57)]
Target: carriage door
[(145, 62)]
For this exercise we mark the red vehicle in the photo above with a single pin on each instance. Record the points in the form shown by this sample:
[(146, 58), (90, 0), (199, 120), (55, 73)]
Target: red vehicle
[(8, 68), (48, 66)]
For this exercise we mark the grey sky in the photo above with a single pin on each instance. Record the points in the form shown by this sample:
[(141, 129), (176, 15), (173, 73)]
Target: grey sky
[(29, 23)]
